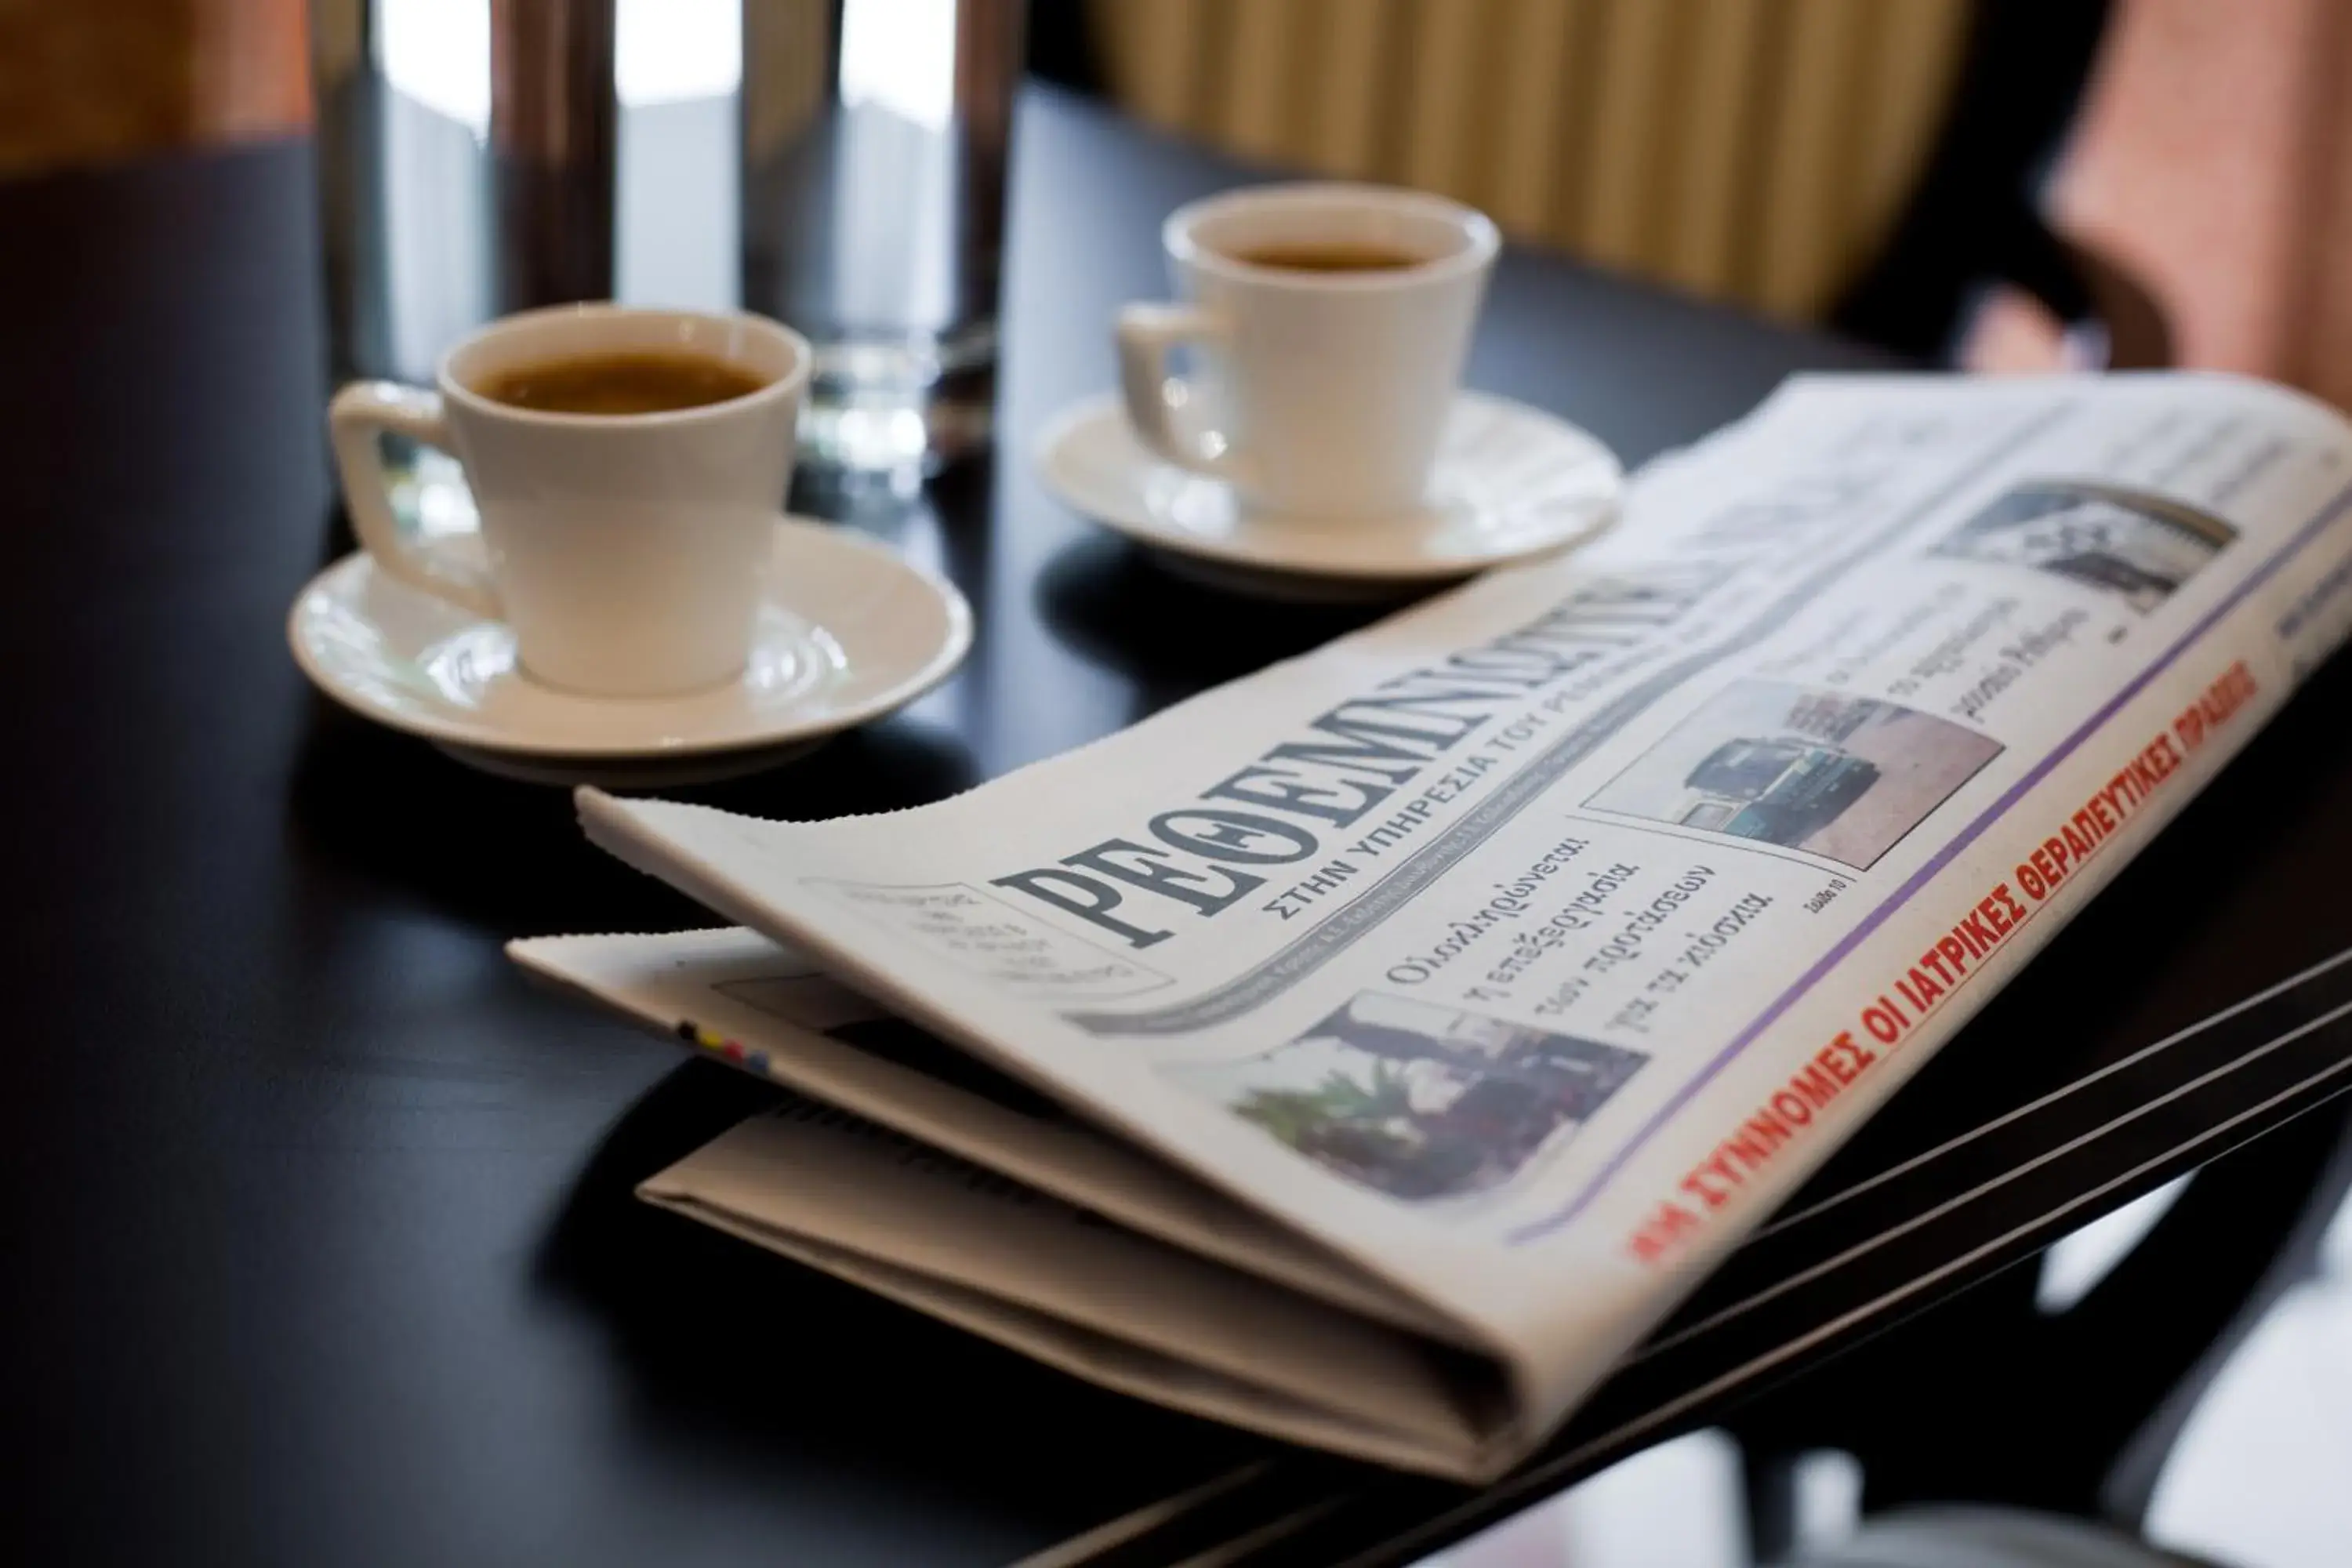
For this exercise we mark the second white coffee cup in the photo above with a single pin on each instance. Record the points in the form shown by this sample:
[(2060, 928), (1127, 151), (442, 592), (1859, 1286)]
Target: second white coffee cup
[(628, 552), (1322, 388)]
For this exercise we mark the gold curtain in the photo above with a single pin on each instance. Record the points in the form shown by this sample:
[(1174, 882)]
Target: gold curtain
[(1754, 150)]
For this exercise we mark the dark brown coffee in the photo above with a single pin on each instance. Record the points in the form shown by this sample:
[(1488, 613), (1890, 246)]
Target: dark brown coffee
[(1330, 257), (653, 383)]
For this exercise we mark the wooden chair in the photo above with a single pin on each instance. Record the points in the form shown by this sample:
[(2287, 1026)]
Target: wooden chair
[(1868, 163), (1753, 150)]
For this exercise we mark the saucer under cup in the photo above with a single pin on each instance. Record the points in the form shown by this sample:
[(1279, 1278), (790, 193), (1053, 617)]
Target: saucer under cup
[(1510, 483), (844, 632)]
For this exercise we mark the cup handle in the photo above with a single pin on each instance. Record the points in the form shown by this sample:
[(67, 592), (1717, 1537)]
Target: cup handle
[(359, 414), (1146, 333)]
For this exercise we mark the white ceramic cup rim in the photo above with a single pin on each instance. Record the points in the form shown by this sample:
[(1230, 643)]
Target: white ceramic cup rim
[(789, 361), (1474, 240)]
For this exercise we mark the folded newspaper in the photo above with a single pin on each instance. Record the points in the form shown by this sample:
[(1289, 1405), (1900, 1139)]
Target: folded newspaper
[(1372, 1050)]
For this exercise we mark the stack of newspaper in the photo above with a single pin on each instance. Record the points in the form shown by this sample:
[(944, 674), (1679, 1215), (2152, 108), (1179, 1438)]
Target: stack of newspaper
[(1371, 1051)]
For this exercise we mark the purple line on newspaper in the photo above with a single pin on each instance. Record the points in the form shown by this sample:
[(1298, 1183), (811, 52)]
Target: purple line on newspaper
[(2311, 530)]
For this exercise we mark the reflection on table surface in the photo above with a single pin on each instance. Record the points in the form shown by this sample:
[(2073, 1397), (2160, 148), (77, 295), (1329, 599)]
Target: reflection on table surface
[(2255, 1481)]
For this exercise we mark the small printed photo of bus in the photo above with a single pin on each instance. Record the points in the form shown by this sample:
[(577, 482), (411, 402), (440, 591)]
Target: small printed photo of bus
[(1842, 777), (2139, 548)]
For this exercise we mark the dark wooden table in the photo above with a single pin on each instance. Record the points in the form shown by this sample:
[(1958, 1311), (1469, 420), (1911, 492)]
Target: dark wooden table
[(316, 1216)]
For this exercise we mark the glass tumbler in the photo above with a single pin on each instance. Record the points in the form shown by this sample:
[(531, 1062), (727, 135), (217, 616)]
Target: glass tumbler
[(874, 135)]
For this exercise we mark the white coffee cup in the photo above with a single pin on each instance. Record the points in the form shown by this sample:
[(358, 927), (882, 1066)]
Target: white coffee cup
[(627, 552), (1318, 393)]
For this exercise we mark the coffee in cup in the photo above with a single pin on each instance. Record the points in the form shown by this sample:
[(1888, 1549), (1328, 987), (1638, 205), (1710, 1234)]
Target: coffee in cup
[(628, 465), (622, 383), (1330, 257)]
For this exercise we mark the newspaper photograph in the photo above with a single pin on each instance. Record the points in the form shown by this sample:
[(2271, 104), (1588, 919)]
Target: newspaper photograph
[(1509, 960)]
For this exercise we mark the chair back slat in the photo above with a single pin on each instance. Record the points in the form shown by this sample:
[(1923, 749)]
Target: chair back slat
[(1756, 150)]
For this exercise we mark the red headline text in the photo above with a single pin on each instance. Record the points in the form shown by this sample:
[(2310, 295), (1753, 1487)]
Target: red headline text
[(1919, 988)]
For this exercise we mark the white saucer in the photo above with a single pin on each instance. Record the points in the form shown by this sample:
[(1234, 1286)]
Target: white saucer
[(1511, 482), (848, 633)]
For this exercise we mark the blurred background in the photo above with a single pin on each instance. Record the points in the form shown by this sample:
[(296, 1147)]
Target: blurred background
[(1995, 184), (2174, 171)]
